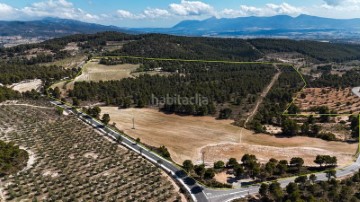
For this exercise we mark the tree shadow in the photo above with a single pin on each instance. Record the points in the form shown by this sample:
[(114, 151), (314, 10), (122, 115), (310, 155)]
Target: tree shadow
[(196, 190)]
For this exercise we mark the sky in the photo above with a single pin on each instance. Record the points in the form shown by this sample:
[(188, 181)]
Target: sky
[(167, 13)]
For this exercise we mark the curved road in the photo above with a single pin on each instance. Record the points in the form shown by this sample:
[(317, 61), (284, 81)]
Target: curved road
[(197, 191)]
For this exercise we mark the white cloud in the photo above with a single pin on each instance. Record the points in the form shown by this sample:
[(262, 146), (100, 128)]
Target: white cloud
[(6, 11), (184, 9), (124, 14), (49, 8), (57, 8), (156, 13), (337, 9), (284, 8), (267, 10), (147, 13), (189, 8)]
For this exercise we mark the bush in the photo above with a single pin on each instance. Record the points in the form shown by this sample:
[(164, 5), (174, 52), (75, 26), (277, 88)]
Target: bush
[(327, 136), (225, 113), (12, 159)]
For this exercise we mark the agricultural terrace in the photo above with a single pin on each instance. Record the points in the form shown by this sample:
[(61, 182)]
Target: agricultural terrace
[(68, 161), (342, 100)]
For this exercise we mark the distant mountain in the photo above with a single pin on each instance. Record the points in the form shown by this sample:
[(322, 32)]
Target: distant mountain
[(281, 26), (280, 22), (52, 27), (303, 26)]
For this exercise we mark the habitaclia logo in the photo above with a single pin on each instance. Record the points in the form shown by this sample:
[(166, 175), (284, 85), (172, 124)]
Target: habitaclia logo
[(178, 100)]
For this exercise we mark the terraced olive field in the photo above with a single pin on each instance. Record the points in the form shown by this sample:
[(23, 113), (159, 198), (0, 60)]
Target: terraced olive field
[(69, 161)]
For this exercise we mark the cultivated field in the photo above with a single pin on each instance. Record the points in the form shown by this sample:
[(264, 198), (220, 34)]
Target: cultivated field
[(341, 100), (187, 137), (69, 161), (93, 71)]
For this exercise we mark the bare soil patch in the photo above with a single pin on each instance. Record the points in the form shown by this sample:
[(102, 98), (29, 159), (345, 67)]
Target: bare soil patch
[(187, 136), (28, 85), (91, 155)]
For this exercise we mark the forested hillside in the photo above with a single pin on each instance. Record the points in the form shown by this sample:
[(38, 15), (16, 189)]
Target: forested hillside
[(324, 52), (166, 46)]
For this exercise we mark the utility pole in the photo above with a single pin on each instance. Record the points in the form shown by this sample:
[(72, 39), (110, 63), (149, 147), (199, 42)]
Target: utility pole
[(133, 120), (241, 130), (203, 157)]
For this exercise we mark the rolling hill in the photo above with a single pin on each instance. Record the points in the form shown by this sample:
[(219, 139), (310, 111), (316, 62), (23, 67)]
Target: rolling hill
[(52, 27)]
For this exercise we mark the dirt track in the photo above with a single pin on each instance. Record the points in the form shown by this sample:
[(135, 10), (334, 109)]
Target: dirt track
[(262, 96)]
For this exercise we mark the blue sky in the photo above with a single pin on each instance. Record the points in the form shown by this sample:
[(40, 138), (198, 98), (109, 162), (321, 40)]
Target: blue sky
[(166, 13)]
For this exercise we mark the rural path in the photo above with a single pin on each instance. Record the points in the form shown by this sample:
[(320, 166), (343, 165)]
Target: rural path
[(27, 105), (262, 96)]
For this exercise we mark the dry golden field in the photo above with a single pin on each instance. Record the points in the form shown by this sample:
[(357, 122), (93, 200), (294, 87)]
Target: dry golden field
[(187, 137)]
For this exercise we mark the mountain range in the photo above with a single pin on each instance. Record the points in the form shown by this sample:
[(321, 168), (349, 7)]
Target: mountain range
[(52, 27), (301, 27)]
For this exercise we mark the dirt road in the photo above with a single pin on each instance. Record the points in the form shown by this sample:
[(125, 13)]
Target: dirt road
[(262, 96)]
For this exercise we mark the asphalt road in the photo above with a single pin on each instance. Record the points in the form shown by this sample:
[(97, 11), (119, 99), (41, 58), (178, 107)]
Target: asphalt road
[(228, 195), (177, 173), (197, 191)]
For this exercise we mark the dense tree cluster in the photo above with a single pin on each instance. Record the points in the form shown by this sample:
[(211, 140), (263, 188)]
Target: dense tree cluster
[(12, 159), (8, 94), (348, 79), (93, 111), (17, 71), (217, 83)]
